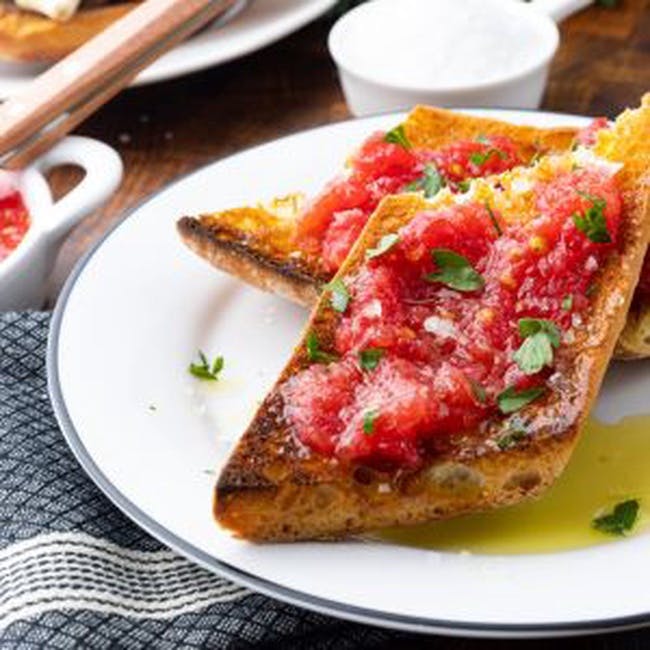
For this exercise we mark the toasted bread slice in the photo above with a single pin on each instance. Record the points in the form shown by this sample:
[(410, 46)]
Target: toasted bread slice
[(272, 488), (256, 244), (31, 38)]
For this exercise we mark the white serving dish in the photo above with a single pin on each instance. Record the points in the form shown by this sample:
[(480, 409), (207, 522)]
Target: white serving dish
[(362, 39), (152, 437), (24, 273)]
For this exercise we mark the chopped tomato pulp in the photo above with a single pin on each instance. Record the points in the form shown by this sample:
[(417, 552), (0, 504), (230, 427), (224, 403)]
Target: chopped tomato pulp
[(444, 354), (14, 221), (332, 221)]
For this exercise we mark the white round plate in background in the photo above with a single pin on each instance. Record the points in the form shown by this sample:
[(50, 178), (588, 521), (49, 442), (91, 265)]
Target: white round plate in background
[(260, 23), (131, 318)]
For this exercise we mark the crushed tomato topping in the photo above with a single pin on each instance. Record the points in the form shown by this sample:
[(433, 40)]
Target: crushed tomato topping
[(455, 351), (14, 218), (333, 220)]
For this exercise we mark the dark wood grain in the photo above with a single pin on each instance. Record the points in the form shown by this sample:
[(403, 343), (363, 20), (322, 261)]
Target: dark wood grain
[(169, 129)]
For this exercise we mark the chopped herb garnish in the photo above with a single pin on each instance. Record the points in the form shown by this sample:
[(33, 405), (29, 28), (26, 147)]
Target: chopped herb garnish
[(464, 186), (206, 371), (384, 245), (370, 357), (482, 139), (509, 440), (340, 297), (591, 289), (455, 271), (541, 336), (511, 399), (431, 182), (398, 136), (369, 418), (479, 391), (493, 218), (480, 157), (530, 326), (620, 521), (592, 221), (567, 302), (314, 353)]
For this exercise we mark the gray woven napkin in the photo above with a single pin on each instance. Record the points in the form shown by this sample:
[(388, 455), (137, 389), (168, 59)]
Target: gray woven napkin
[(75, 572)]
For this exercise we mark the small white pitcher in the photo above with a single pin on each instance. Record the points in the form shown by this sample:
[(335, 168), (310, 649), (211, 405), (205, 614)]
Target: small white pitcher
[(25, 272)]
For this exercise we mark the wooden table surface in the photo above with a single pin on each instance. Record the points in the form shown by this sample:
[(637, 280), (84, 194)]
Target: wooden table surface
[(169, 129)]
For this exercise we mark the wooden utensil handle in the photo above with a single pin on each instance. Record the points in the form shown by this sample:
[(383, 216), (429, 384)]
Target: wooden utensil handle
[(60, 98)]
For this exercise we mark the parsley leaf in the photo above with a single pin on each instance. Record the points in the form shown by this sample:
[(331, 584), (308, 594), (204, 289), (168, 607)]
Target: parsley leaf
[(398, 136), (480, 157), (455, 271), (541, 336), (535, 353), (530, 326), (340, 297), (314, 353), (384, 245), (369, 418), (204, 370), (464, 186), (511, 399), (620, 521), (509, 440), (592, 221), (370, 357), (430, 183)]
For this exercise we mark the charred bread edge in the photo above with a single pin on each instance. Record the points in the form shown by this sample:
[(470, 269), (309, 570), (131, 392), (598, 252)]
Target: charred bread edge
[(226, 251)]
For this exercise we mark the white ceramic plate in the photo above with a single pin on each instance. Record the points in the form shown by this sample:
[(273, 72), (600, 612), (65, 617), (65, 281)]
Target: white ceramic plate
[(260, 23), (129, 321)]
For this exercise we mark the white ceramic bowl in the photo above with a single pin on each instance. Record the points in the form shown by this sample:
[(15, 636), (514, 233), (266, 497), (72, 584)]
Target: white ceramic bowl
[(24, 273), (403, 30)]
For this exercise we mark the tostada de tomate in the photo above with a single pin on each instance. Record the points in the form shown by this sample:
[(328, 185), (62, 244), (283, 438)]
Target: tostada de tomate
[(449, 365), (293, 247)]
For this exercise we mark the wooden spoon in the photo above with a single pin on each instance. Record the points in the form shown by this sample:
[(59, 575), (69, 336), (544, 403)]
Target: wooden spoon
[(63, 96)]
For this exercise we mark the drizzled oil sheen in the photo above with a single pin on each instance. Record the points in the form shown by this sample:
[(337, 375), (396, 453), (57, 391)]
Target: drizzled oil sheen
[(610, 465)]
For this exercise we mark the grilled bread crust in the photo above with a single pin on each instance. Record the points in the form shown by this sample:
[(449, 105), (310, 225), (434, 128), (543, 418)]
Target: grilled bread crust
[(271, 489), (255, 245), (31, 38)]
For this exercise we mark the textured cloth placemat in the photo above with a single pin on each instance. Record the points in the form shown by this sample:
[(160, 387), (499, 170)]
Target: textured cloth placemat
[(75, 572)]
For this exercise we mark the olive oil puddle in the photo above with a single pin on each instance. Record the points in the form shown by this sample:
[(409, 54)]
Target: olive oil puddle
[(610, 464)]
